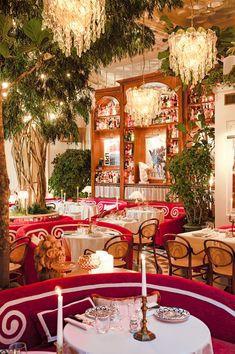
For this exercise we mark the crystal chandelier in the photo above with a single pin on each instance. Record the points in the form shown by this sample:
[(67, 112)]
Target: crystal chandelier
[(143, 104), (192, 53), (75, 23)]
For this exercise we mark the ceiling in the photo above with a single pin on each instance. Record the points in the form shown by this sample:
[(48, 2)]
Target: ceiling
[(205, 13)]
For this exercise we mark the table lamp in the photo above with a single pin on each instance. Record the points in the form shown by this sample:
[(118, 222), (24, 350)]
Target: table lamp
[(137, 196), (87, 190)]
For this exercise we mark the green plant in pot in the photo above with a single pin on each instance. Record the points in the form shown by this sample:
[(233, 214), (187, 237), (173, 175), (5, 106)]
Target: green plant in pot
[(190, 172), (72, 172)]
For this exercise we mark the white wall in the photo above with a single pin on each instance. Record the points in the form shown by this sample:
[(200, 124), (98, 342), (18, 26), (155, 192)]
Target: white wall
[(224, 126)]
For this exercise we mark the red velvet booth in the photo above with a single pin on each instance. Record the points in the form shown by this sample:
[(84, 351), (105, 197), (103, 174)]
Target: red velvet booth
[(19, 306), (174, 218), (54, 228)]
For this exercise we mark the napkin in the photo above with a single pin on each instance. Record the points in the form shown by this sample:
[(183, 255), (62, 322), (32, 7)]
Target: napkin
[(78, 323)]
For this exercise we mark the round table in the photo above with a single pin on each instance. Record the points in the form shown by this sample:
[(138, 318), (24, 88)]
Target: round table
[(189, 337), (79, 241)]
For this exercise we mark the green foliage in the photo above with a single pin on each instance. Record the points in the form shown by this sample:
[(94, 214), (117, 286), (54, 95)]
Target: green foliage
[(37, 209), (190, 171), (64, 89), (72, 169)]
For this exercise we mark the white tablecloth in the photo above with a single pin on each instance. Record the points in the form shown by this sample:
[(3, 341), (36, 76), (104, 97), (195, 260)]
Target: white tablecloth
[(197, 238), (190, 337), (144, 213), (78, 242), (130, 224), (76, 211)]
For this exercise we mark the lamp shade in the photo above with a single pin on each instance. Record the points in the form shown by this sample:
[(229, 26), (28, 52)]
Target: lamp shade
[(87, 189), (136, 195)]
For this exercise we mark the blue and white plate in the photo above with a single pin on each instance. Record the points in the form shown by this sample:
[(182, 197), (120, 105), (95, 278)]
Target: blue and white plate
[(171, 314)]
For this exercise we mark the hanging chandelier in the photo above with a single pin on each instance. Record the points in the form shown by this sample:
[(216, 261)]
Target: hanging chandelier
[(192, 53), (75, 23), (143, 104)]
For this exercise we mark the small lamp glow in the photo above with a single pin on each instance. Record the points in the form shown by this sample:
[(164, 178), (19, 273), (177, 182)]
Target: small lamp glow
[(137, 196), (87, 190)]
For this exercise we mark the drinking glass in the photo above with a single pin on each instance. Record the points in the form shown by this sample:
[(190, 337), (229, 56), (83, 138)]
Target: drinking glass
[(134, 319), (115, 318), (17, 348), (102, 321)]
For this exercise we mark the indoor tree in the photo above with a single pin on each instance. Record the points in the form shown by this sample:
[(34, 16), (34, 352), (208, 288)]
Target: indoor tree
[(72, 169), (191, 170), (123, 36)]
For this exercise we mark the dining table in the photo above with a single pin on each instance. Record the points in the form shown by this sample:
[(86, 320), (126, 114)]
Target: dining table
[(78, 211), (189, 337), (128, 223), (83, 238), (134, 217), (142, 214), (196, 238)]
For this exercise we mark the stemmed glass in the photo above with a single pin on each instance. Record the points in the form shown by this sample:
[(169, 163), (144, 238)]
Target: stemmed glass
[(17, 348)]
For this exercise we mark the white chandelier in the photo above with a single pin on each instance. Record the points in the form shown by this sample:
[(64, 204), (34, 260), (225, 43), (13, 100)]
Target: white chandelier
[(75, 23), (192, 53), (143, 104)]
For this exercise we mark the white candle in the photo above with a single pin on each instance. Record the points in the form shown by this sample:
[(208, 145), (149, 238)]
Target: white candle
[(77, 192), (64, 197), (59, 318), (61, 194), (117, 203), (144, 290)]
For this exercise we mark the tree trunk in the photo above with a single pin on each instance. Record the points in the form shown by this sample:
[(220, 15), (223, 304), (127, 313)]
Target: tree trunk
[(4, 209), (29, 155)]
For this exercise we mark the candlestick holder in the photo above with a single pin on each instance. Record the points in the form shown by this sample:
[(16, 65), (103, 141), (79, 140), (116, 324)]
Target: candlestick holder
[(59, 350), (144, 335), (232, 220)]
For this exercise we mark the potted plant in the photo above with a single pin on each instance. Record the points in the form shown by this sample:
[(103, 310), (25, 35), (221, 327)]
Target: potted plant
[(190, 172), (72, 172)]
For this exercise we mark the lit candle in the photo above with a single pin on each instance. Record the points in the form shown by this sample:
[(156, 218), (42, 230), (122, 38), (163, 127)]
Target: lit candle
[(77, 192), (64, 197), (61, 194), (144, 290), (117, 203), (59, 319)]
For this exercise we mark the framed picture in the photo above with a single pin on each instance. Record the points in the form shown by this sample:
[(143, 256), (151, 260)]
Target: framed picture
[(156, 155), (112, 152)]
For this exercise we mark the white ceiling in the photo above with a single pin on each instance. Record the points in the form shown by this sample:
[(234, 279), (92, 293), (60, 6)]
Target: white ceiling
[(205, 13)]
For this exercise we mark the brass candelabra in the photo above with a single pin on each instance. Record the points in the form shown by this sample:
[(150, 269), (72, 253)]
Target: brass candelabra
[(144, 335)]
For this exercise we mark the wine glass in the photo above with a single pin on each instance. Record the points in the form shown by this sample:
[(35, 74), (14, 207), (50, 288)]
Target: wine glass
[(17, 348)]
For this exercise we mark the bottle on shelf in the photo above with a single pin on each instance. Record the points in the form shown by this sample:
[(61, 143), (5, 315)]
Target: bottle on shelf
[(107, 177)]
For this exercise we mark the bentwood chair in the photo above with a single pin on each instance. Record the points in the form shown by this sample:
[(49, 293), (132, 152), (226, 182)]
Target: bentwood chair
[(145, 239), (221, 259), (17, 254), (181, 257), (119, 247)]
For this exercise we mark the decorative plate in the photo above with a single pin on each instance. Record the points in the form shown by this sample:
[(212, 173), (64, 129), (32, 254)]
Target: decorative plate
[(171, 314), (93, 311)]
